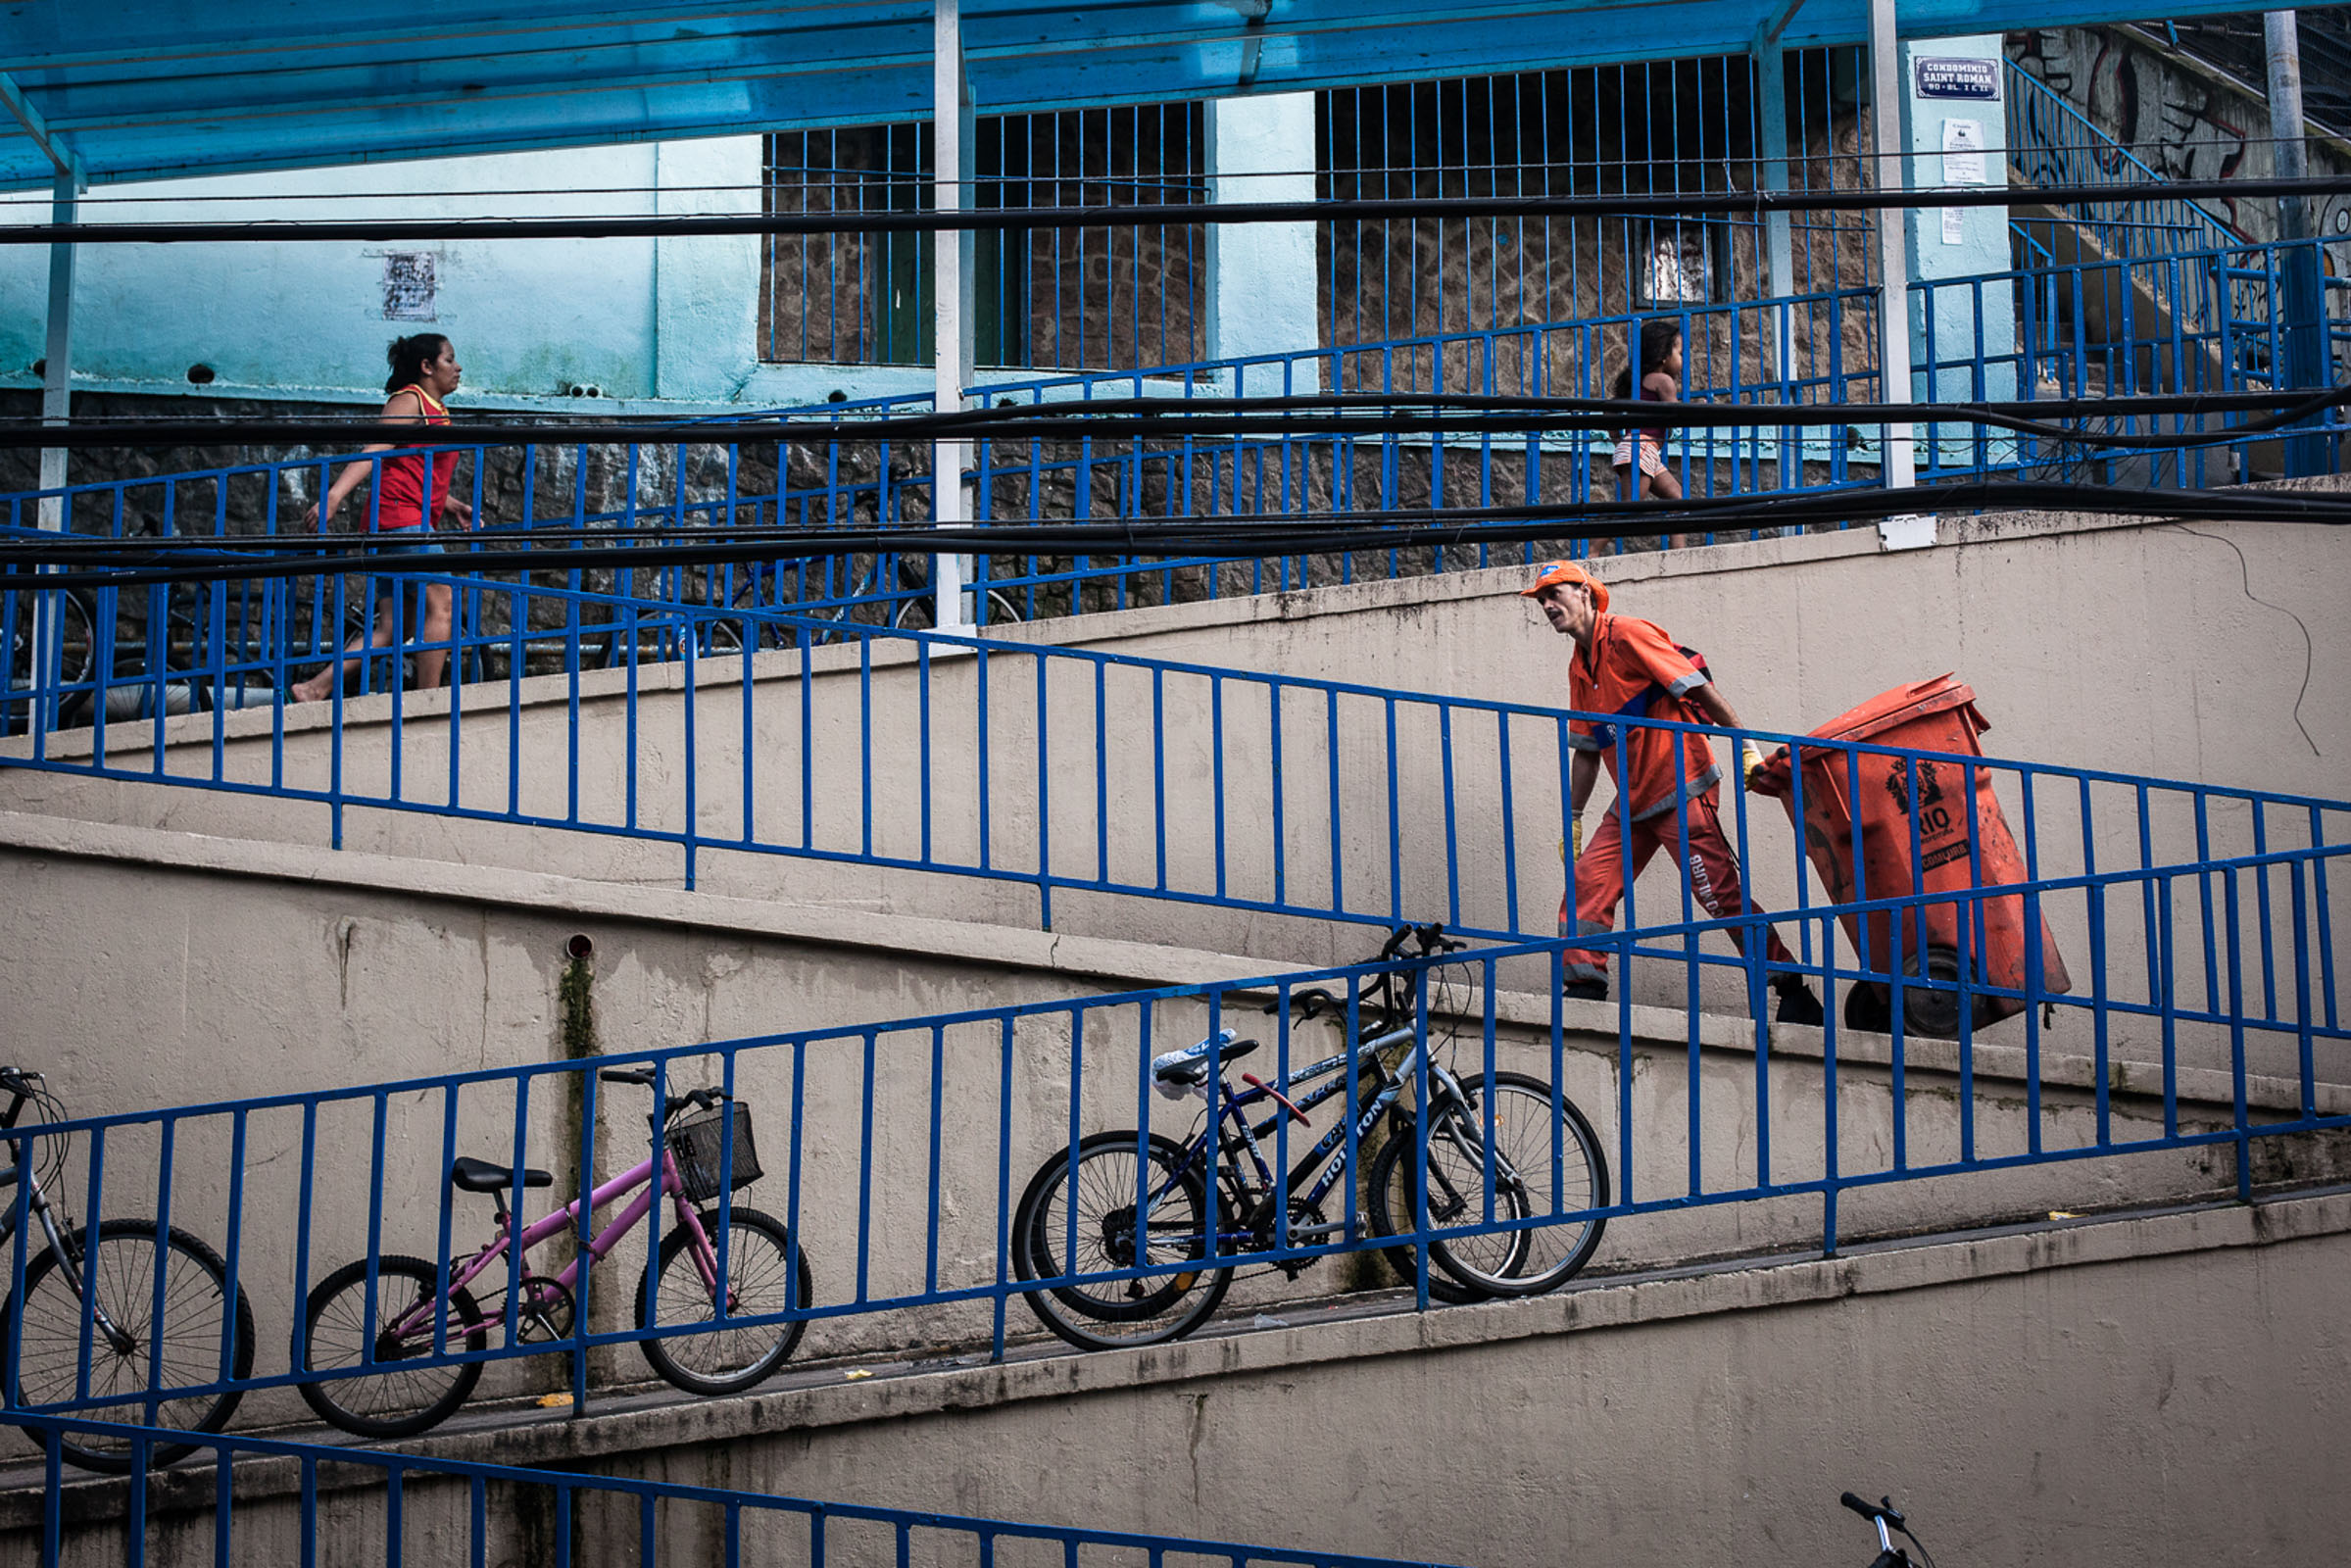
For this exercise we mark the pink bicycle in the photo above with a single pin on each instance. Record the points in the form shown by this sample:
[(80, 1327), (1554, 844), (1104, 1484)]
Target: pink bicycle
[(398, 1323)]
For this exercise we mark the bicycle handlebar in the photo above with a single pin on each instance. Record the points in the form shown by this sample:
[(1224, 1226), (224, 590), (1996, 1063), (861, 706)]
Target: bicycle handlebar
[(19, 1084), (642, 1077), (1430, 938), (1308, 1003), (1874, 1511)]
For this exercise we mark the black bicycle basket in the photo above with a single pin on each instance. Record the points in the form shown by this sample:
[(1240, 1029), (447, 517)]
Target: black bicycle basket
[(698, 1144)]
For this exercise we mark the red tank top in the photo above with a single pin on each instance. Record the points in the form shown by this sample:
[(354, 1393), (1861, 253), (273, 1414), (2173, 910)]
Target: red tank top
[(1658, 433), (398, 488)]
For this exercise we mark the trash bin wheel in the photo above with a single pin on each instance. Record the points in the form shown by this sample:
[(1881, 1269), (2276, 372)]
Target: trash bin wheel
[(1934, 1014), (1869, 1004)]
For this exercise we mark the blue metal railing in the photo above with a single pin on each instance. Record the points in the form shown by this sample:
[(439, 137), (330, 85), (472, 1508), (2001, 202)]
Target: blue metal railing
[(1012, 763), (2054, 144), (2185, 322), (473, 1512), (808, 475), (1117, 295), (2190, 320), (891, 1152)]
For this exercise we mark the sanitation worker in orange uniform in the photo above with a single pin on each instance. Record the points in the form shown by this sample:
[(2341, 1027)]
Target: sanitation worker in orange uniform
[(1630, 668)]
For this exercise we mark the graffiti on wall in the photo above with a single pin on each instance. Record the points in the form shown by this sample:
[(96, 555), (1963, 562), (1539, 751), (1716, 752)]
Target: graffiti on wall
[(2178, 124)]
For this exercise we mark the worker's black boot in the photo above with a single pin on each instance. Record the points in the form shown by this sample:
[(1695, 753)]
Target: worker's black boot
[(1589, 991), (1797, 1003)]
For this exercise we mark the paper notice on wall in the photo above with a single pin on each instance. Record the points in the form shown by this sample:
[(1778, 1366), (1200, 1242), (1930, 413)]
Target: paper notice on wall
[(1962, 152), (408, 286), (1952, 234)]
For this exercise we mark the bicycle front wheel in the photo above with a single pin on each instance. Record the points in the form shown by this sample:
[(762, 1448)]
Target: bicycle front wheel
[(764, 1274), (408, 1392), (201, 1336), (1539, 1165), (1079, 1219), (1392, 1212)]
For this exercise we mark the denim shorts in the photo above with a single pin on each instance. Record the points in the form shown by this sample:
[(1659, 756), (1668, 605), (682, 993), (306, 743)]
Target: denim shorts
[(405, 542)]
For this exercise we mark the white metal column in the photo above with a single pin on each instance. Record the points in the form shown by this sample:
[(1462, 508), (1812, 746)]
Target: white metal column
[(1893, 163), (57, 406), (57, 356), (953, 300)]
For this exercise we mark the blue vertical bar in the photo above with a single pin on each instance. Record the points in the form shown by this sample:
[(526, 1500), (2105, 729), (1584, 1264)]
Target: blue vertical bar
[(1216, 770), (1044, 802), (1337, 815), (1281, 836), (2239, 1105), (1004, 1182)]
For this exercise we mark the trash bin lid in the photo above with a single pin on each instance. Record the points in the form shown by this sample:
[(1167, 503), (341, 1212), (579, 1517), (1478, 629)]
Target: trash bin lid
[(1887, 710)]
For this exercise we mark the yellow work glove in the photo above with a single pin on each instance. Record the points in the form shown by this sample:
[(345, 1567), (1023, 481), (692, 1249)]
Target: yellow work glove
[(1750, 762), (1575, 837)]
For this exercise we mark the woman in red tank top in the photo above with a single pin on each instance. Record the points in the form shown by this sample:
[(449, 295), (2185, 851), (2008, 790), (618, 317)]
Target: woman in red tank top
[(411, 493)]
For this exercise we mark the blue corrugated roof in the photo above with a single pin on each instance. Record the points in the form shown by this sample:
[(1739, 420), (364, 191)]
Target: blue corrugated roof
[(149, 90)]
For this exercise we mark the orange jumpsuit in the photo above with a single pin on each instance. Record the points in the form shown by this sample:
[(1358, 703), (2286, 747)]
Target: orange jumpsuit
[(1633, 670)]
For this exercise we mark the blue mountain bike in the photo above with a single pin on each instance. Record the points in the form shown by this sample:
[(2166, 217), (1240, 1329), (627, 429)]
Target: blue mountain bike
[(1135, 1236)]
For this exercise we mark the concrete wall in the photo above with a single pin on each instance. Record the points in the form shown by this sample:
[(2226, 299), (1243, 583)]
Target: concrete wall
[(2186, 652), (2158, 1390), (2186, 121)]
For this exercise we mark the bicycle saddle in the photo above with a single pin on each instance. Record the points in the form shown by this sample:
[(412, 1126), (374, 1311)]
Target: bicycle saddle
[(471, 1175), (1175, 1072)]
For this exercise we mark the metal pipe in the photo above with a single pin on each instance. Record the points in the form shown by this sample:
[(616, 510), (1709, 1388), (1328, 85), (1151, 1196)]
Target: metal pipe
[(1897, 459), (952, 298), (2304, 304)]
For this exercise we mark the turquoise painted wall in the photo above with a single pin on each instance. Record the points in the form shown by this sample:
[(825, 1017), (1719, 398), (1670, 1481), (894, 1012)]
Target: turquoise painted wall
[(637, 319), (1981, 236)]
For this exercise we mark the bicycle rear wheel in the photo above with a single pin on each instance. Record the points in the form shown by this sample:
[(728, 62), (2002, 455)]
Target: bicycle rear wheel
[(761, 1279), (1094, 1200), (411, 1391), (1540, 1166), (203, 1336), (76, 628)]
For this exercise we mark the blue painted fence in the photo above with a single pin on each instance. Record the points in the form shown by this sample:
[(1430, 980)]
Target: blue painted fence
[(447, 1512), (2188, 321), (897, 1154), (1029, 766)]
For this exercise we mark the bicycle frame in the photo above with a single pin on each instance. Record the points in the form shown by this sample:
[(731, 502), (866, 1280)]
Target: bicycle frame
[(34, 1199), (1326, 1163), (709, 1260)]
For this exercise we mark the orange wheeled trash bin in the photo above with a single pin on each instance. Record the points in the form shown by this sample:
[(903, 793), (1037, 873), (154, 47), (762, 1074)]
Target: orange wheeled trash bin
[(1933, 715)]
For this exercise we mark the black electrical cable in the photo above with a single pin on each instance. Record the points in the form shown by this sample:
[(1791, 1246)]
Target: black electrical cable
[(1499, 204), (89, 562), (1166, 419)]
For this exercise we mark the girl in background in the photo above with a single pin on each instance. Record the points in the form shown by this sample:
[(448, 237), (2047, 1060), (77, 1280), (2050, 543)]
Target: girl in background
[(411, 493), (1640, 457)]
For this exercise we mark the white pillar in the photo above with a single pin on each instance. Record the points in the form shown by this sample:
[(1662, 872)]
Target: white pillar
[(1263, 287), (952, 300), (57, 366), (2302, 298), (57, 406), (1900, 462)]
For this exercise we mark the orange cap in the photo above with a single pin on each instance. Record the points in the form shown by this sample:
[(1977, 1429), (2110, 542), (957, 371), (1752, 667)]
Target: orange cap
[(1556, 573)]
